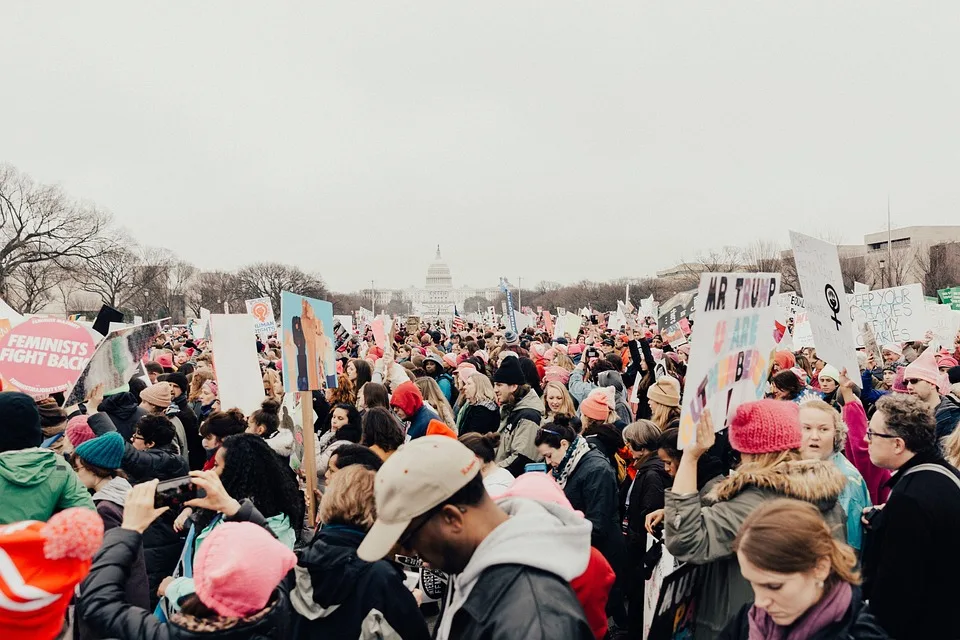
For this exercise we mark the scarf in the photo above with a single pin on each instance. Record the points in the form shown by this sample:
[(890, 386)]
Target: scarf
[(577, 449), (831, 608)]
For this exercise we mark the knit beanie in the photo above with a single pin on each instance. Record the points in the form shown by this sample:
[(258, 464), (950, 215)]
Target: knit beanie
[(893, 348), (554, 373), (50, 412), (924, 368), (224, 577), (439, 428), (784, 359), (829, 371), (78, 431), (766, 426), (180, 381), (510, 372), (407, 397), (666, 391), (104, 451), (44, 562), (20, 426), (465, 370), (511, 338), (899, 383), (450, 361), (953, 374), (599, 403), (158, 395)]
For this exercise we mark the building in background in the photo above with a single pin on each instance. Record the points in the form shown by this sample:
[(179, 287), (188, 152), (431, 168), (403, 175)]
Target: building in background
[(929, 255)]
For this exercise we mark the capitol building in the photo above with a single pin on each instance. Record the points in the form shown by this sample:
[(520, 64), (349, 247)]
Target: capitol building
[(437, 297)]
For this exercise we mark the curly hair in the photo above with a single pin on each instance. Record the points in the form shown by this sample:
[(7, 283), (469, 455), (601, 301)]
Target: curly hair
[(224, 423), (252, 470), (156, 429), (344, 393), (840, 439), (907, 417)]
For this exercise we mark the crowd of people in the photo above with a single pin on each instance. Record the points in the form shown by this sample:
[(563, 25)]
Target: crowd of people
[(540, 476)]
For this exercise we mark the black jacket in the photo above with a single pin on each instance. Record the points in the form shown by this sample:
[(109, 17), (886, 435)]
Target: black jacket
[(511, 601), (162, 463), (857, 624), (909, 569), (479, 419), (592, 489), (948, 415), (102, 607), (191, 426), (634, 372), (335, 592), (124, 412), (646, 495)]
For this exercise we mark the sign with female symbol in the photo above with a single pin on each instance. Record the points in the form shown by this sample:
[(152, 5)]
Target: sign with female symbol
[(262, 311)]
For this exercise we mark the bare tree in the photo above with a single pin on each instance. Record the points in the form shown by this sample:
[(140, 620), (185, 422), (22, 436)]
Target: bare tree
[(764, 256), (39, 224), (854, 269), (270, 279), (210, 289), (32, 286), (940, 266), (113, 274)]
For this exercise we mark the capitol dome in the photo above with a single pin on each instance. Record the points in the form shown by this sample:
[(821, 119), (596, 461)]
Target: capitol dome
[(438, 274)]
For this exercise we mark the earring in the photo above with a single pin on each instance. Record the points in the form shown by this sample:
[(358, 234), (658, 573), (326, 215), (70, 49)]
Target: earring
[(819, 584)]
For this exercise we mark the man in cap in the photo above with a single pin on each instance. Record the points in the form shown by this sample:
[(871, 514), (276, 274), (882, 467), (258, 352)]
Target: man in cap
[(521, 411), (922, 378), (510, 562)]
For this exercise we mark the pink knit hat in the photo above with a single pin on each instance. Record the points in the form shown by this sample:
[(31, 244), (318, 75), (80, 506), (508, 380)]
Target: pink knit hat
[(227, 581), (766, 426), (78, 431), (537, 486), (599, 403), (553, 373), (450, 360), (465, 370), (924, 368)]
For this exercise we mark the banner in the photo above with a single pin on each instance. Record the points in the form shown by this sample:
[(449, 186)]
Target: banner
[(235, 358), (818, 266), (309, 357), (677, 307), (896, 314), (510, 311), (116, 360), (262, 310), (45, 355), (730, 363)]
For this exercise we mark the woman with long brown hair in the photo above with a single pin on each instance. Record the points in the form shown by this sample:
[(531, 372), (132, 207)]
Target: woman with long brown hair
[(803, 579)]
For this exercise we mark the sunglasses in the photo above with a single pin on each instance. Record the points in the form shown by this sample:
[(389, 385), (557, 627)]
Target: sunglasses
[(871, 434), (913, 381)]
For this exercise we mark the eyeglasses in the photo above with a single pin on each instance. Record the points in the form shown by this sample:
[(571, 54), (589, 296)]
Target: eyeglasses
[(913, 381), (871, 434), (136, 436)]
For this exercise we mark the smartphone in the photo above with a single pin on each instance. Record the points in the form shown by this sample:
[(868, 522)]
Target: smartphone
[(174, 493), (540, 467)]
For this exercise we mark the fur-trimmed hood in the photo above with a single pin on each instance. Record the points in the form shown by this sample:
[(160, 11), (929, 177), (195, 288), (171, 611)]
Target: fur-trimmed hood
[(816, 481)]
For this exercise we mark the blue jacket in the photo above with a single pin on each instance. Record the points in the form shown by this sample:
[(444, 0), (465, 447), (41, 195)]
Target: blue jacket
[(419, 422), (854, 499)]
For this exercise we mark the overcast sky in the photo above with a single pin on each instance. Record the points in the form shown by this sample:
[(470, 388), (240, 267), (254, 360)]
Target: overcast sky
[(548, 141)]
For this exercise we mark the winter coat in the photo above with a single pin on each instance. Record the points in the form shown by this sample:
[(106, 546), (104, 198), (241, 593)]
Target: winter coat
[(162, 463), (857, 452), (519, 424), (578, 386), (191, 427), (909, 568), (703, 535), (516, 584), (478, 418), (854, 499), (592, 489), (124, 411), (37, 483), (419, 422), (645, 493), (857, 624), (592, 589), (635, 374), (948, 415), (336, 593), (102, 607)]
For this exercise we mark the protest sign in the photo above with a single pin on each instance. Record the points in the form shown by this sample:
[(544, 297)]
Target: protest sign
[(379, 332), (648, 308), (654, 584), (413, 325), (729, 365), (309, 357), (896, 314), (674, 335), (675, 613), (41, 356), (859, 287), (677, 307), (944, 322), (262, 310), (802, 332), (106, 316), (346, 322), (6, 311), (818, 265), (870, 343), (116, 360), (548, 323), (235, 358), (508, 309), (950, 296), (4, 327), (571, 325)]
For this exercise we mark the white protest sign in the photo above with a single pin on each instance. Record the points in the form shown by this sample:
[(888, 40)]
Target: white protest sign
[(235, 358), (859, 287), (346, 322), (262, 310), (729, 365), (944, 322), (524, 321), (897, 314), (802, 332), (818, 266), (648, 308), (6, 311)]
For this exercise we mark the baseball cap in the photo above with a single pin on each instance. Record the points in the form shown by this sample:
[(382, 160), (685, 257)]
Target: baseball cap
[(419, 476)]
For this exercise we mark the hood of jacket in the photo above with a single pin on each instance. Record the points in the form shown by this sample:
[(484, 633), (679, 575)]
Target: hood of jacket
[(27, 467), (262, 624), (115, 491), (120, 405), (281, 442), (529, 401), (611, 379), (816, 481), (408, 398)]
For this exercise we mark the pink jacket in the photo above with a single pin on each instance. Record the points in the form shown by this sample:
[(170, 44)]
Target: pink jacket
[(857, 452)]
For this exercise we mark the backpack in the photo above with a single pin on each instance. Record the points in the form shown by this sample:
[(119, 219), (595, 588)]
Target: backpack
[(454, 394)]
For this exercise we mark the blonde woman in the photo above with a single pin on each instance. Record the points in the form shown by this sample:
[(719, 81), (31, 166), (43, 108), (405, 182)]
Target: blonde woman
[(196, 385), (664, 399), (433, 396), (557, 400), (272, 385), (479, 413)]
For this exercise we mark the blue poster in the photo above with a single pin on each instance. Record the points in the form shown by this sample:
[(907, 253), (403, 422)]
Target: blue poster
[(309, 354)]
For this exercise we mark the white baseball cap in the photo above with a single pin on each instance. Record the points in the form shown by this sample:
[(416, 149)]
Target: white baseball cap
[(419, 476)]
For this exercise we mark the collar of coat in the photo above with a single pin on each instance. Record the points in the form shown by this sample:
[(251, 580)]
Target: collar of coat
[(816, 481)]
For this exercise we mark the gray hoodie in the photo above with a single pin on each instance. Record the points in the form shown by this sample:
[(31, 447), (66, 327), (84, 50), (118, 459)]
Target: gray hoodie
[(615, 380), (115, 491), (540, 535)]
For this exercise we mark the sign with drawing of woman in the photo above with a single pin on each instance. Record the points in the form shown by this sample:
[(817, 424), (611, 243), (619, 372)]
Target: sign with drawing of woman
[(309, 362)]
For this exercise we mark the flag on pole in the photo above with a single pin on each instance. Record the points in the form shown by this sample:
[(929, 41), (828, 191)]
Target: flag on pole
[(458, 323)]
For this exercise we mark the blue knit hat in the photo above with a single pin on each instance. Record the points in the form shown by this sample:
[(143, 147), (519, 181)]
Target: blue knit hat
[(104, 451)]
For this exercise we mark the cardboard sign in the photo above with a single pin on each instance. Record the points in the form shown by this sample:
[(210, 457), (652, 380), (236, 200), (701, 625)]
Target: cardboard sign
[(45, 355), (379, 332), (803, 332), (309, 356), (235, 358), (654, 585), (730, 363), (944, 323), (818, 265), (859, 287), (262, 311), (896, 315), (346, 322), (676, 612), (116, 360), (413, 325)]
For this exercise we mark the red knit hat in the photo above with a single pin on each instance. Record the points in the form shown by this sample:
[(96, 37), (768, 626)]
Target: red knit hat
[(766, 426), (46, 561)]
